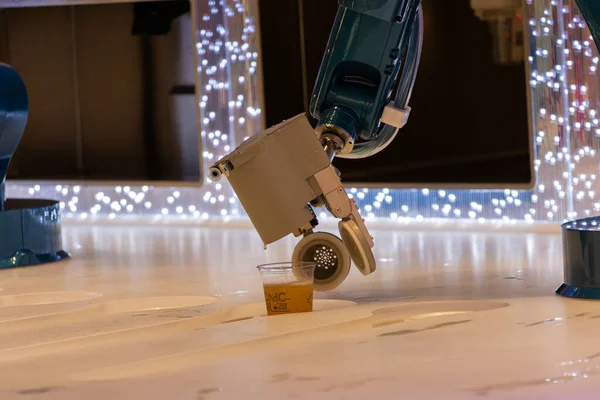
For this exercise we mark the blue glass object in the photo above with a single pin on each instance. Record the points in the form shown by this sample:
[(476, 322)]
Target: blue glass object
[(581, 257), (14, 110), (31, 234), (29, 228)]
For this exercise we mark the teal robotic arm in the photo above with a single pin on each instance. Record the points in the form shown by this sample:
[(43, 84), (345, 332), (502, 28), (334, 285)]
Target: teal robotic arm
[(360, 100), (360, 94)]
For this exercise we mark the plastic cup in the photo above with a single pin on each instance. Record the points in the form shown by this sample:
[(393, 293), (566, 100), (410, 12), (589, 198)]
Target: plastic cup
[(288, 287)]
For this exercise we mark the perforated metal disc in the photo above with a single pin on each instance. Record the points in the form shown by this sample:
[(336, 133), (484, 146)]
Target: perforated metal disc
[(357, 246), (330, 255)]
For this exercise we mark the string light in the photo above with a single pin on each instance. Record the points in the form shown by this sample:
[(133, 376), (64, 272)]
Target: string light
[(564, 88)]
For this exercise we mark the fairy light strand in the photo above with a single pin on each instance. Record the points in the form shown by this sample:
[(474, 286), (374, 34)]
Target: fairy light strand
[(565, 98)]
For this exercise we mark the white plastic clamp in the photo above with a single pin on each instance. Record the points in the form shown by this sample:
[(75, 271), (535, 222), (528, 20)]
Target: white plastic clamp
[(395, 117)]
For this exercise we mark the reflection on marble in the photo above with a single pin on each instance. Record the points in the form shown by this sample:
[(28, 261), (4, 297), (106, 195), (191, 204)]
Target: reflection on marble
[(177, 312)]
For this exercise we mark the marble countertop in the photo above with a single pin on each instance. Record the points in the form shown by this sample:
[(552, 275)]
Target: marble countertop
[(165, 312)]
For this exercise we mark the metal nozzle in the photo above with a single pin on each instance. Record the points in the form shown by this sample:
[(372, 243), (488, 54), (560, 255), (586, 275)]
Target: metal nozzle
[(332, 144), (217, 170), (215, 174)]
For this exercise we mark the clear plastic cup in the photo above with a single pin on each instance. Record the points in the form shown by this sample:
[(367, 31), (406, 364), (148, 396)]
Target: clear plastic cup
[(288, 287)]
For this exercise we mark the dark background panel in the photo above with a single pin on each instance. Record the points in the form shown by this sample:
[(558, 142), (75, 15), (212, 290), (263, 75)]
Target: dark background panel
[(282, 59), (99, 80), (469, 121)]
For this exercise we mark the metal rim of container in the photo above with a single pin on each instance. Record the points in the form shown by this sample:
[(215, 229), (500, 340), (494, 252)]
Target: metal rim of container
[(286, 266)]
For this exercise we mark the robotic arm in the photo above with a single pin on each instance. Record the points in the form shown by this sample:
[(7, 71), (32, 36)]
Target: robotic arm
[(360, 100)]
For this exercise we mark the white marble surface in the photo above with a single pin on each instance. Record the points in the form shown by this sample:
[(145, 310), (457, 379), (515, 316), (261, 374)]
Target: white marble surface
[(177, 313)]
